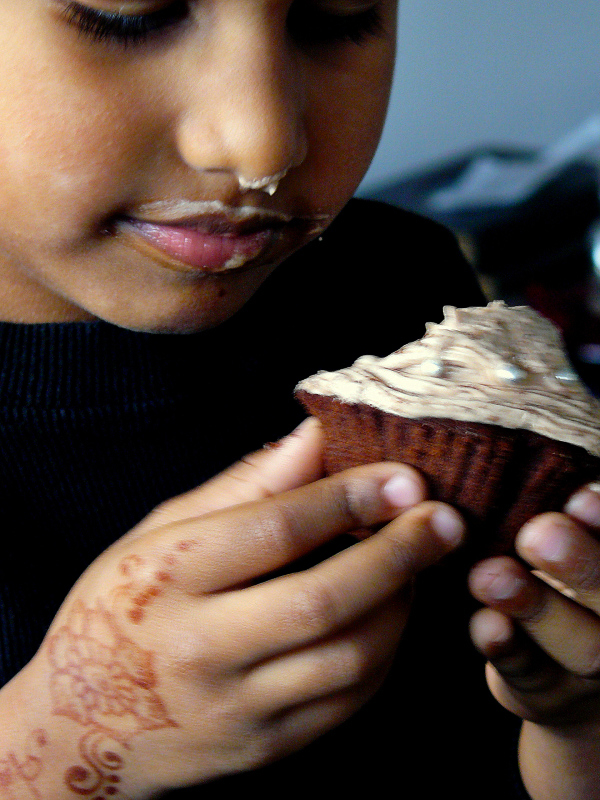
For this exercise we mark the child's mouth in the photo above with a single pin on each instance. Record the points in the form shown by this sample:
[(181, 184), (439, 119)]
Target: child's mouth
[(199, 247), (211, 242), (212, 237)]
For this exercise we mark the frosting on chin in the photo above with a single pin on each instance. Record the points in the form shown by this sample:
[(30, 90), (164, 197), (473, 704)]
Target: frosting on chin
[(497, 365)]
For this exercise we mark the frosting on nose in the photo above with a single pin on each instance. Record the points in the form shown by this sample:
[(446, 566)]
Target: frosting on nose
[(268, 184)]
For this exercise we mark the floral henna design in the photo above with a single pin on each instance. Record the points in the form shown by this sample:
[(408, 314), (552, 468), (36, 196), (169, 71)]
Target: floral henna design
[(105, 682), (102, 679), (17, 777)]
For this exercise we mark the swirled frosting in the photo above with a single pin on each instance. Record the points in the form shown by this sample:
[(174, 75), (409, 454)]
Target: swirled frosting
[(497, 365)]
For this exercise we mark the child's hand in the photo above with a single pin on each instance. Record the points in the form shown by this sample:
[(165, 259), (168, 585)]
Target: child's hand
[(181, 655), (541, 634)]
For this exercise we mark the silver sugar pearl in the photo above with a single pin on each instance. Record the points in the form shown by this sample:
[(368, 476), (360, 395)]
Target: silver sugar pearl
[(511, 373), (566, 376), (432, 367)]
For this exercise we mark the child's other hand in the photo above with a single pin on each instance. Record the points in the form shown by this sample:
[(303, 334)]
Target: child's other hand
[(544, 642), (540, 633), (190, 658)]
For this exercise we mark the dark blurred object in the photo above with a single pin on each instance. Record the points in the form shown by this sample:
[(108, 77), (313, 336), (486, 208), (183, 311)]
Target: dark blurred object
[(518, 242), (536, 251)]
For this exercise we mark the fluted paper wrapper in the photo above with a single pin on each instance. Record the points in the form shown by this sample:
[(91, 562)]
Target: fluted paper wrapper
[(497, 477)]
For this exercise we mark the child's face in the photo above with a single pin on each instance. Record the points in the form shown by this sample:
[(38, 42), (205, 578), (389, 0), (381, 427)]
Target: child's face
[(131, 133)]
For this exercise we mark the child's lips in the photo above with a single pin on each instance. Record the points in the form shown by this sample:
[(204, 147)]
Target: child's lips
[(210, 246), (212, 237)]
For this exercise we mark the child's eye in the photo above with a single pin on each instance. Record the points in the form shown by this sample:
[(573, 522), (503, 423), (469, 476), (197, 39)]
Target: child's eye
[(123, 28), (310, 22), (322, 22)]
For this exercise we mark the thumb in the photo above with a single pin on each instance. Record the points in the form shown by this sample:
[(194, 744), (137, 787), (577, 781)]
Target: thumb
[(291, 462)]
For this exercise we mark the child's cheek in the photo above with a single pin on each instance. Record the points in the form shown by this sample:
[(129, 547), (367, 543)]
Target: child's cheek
[(67, 143), (58, 170)]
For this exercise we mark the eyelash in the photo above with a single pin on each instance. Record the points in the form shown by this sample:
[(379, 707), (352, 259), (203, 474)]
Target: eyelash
[(314, 26), (307, 24), (124, 29)]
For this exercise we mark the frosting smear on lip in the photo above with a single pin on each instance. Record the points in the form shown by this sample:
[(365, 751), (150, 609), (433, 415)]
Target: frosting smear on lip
[(496, 365)]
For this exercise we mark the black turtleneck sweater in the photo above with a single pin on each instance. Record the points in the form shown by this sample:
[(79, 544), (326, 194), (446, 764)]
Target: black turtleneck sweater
[(99, 424)]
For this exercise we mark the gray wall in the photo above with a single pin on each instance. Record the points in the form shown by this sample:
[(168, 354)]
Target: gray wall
[(473, 72)]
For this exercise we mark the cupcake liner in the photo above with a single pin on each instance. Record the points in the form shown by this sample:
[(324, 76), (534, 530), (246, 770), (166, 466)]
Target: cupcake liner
[(497, 477), (548, 473)]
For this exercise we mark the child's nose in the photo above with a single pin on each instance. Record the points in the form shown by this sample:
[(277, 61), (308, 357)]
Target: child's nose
[(245, 112)]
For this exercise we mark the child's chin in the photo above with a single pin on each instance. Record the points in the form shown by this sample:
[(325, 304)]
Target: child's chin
[(191, 316), (164, 323)]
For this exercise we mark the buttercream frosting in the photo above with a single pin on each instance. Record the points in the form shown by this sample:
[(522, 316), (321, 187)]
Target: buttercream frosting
[(496, 364)]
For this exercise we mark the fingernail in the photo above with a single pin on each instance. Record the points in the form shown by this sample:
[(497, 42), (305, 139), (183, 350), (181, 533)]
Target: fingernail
[(585, 505), (448, 525), (503, 586), (551, 544), (402, 491)]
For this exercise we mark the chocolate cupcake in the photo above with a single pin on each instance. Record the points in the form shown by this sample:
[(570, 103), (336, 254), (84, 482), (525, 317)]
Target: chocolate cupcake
[(486, 405)]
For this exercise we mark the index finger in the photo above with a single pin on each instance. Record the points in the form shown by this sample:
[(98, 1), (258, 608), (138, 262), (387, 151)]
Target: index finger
[(243, 543), (278, 467)]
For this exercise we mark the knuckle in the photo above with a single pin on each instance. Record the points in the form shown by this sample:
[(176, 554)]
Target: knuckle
[(401, 555), (313, 607), (161, 510), (534, 613), (260, 751), (352, 503), (412, 543), (342, 667), (269, 743), (277, 528), (246, 479), (588, 575), (532, 606), (353, 665), (358, 501), (192, 654), (191, 661)]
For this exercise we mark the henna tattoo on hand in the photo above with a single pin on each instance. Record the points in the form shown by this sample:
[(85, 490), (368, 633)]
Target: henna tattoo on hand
[(145, 580), (99, 778), (17, 777), (139, 591), (102, 679), (106, 682)]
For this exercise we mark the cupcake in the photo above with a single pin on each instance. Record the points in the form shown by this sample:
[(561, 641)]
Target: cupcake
[(486, 405)]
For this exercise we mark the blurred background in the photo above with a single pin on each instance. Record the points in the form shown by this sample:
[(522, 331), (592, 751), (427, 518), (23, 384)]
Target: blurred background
[(494, 130)]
